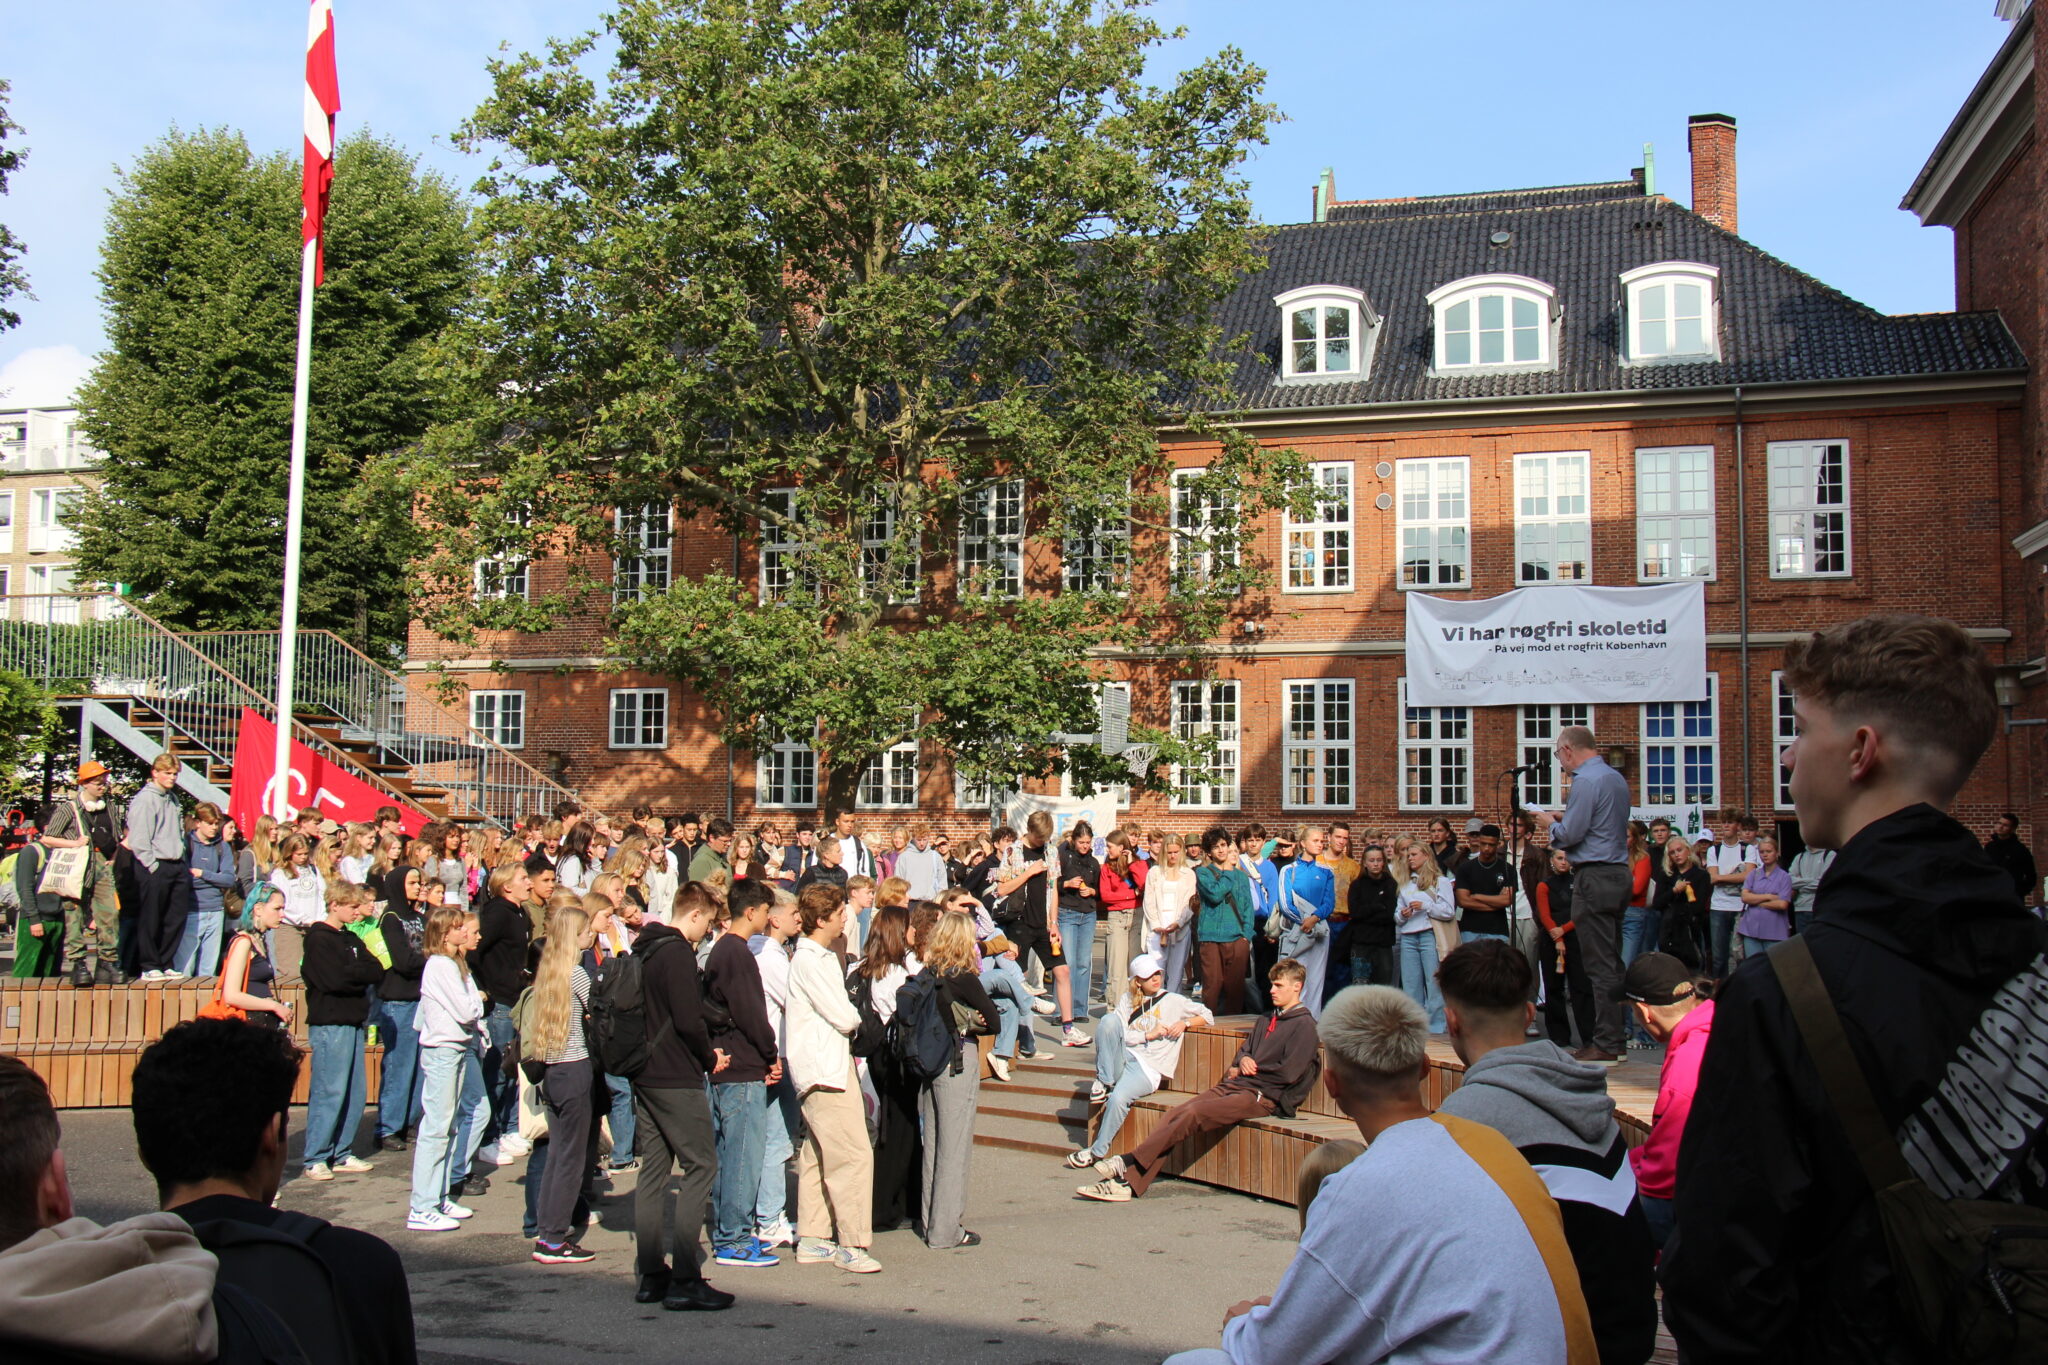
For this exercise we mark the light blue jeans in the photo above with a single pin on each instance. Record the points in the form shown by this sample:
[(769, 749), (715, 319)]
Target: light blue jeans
[(621, 1121), (198, 950), (1004, 982), (739, 1122), (472, 1115), (442, 1070), (771, 1202), (398, 1087), (1756, 947), (334, 1102), (1077, 941), (1127, 1082), (1639, 926), (1418, 975)]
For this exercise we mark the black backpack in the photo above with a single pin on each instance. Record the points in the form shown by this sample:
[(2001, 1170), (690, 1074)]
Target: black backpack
[(618, 1012), (870, 1038), (277, 1267), (921, 1036)]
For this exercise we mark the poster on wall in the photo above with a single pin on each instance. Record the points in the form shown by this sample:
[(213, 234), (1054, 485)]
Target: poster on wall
[(1555, 645), (314, 782), (1098, 810)]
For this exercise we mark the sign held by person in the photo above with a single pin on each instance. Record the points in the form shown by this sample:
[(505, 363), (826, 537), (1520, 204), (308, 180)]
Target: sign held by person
[(1559, 645)]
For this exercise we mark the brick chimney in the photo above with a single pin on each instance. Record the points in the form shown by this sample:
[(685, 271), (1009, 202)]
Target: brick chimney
[(1712, 139)]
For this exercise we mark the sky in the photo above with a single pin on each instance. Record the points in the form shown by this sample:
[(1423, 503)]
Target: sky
[(1837, 109)]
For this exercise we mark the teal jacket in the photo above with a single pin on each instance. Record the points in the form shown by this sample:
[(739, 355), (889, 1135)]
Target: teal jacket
[(1226, 913)]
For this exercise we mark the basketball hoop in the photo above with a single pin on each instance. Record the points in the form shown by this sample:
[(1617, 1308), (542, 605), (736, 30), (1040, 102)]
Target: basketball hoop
[(1140, 758)]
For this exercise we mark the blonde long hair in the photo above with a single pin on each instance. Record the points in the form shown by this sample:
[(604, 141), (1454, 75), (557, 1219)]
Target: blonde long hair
[(1429, 873), (950, 949), (263, 844), (553, 996), (442, 922)]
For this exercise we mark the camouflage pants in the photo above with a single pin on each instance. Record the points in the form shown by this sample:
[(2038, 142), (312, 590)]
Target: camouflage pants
[(98, 907)]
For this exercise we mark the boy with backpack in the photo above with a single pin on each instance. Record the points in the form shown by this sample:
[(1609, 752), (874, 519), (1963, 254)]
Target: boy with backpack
[(737, 1006), (1897, 1044), (671, 1111)]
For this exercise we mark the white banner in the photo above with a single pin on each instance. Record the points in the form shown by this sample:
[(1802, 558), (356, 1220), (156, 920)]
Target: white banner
[(1559, 644), (1098, 810)]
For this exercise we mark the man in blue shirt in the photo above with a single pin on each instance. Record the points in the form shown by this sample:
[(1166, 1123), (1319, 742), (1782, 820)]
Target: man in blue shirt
[(1593, 832)]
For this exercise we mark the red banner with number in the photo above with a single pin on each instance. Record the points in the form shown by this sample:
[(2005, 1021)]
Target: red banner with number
[(327, 787)]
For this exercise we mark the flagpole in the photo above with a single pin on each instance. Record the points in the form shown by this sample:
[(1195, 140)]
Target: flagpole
[(294, 535)]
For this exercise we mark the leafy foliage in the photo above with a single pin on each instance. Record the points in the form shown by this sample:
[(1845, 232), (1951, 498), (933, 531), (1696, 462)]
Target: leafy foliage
[(192, 403), (831, 273), (13, 279)]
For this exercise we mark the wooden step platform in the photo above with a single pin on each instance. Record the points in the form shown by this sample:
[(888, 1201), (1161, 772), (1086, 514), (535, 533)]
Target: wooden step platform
[(84, 1043)]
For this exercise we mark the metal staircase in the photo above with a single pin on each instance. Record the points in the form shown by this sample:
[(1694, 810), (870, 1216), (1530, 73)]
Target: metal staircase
[(152, 688)]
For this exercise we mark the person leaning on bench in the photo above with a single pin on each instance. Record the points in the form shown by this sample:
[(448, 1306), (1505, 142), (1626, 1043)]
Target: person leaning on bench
[(1269, 1078)]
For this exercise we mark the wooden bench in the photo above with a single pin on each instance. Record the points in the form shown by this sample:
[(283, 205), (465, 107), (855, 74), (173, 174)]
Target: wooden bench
[(1263, 1156), (84, 1043)]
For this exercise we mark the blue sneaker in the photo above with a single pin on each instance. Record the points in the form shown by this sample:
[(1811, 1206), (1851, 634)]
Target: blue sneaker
[(751, 1255)]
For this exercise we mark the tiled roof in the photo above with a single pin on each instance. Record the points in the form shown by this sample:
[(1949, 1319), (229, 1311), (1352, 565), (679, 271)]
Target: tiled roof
[(1778, 324)]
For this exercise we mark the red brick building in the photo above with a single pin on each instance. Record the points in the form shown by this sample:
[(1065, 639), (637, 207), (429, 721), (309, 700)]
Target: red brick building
[(1583, 384)]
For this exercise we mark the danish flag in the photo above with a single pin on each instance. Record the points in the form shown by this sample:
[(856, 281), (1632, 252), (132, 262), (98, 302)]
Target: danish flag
[(323, 102)]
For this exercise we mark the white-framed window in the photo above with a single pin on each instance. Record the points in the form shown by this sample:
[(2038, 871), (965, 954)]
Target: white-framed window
[(1436, 756), (1538, 727), (1200, 519), (1435, 531), (1673, 311), (1121, 790), (1809, 509), (46, 584), (782, 545), (1554, 518), (501, 576), (1494, 321), (888, 781), (886, 566), (1317, 757), (639, 718), (992, 540), (7, 511), (49, 516), (1319, 549), (499, 717), (1784, 729), (1674, 513), (786, 776), (1095, 549), (1325, 330), (641, 567), (980, 797), (1207, 708), (1682, 751)]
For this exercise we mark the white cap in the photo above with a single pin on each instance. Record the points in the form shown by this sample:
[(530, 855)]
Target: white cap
[(1146, 964)]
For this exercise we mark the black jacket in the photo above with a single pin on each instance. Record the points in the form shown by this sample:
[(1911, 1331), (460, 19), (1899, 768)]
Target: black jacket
[(1371, 903), (2012, 855), (339, 972), (1087, 867), (732, 987), (403, 932), (1938, 974), (680, 1041), (818, 872), (499, 960)]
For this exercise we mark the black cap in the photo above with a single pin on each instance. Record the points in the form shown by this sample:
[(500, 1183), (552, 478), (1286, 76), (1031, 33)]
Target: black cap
[(1656, 979)]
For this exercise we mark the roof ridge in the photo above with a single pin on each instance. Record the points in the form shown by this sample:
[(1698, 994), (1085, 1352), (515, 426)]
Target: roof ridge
[(1486, 194)]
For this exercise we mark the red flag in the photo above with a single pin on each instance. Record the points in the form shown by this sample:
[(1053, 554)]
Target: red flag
[(323, 102)]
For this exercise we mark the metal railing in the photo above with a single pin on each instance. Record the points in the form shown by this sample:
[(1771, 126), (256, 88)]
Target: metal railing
[(483, 778), (98, 645)]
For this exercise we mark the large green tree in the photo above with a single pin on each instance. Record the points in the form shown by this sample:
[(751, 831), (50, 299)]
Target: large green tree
[(838, 273), (13, 280), (192, 401)]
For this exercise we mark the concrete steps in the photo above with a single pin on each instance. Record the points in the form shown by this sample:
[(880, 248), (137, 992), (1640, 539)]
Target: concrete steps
[(1043, 1107)]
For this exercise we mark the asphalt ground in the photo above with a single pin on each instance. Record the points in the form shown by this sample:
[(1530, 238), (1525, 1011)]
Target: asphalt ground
[(1057, 1279)]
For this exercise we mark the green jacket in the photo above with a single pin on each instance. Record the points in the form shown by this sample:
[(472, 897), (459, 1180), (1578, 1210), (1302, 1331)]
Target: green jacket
[(1226, 913)]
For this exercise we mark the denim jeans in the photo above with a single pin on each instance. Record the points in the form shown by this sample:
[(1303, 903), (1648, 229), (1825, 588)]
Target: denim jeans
[(771, 1202), (1418, 975), (1756, 947), (1077, 935), (1126, 1081), (1375, 966), (398, 1088), (1800, 919), (501, 1082), (334, 1101), (621, 1118), (472, 1116), (1659, 1215), (1721, 923), (1467, 936), (1640, 926), (1004, 982), (739, 1122), (198, 951), (433, 1154)]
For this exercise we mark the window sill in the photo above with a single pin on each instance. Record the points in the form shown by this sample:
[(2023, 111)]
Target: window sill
[(1812, 577), (1317, 592)]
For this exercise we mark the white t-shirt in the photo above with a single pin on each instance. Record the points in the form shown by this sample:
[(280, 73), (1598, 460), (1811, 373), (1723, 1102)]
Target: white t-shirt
[(773, 960), (1722, 858)]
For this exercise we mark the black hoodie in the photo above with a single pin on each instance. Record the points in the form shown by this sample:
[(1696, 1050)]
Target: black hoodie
[(1941, 979)]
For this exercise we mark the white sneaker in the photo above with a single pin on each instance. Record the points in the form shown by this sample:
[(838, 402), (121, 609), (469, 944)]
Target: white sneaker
[(317, 1171), (514, 1146), (856, 1259), (1070, 1036), (1041, 1005), (1097, 1092), (490, 1155), (451, 1209), (172, 974), (152, 975), (352, 1165), (777, 1234), (431, 1222), (1000, 1066)]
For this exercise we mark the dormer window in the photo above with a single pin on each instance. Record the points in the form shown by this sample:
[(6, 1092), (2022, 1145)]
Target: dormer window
[(1495, 321), (1325, 330), (1673, 311)]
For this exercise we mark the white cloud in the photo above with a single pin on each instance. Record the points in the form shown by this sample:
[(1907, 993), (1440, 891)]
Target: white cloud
[(45, 376)]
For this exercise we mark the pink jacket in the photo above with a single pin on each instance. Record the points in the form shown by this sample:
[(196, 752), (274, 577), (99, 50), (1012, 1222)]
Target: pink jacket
[(1656, 1161)]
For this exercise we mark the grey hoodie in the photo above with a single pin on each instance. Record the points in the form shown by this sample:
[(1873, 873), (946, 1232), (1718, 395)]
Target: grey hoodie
[(137, 1290), (1535, 1095)]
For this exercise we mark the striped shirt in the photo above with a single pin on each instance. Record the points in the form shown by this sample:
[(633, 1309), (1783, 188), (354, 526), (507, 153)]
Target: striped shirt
[(574, 1048)]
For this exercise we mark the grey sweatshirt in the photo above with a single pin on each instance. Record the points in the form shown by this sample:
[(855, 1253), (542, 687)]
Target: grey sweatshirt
[(1535, 1095)]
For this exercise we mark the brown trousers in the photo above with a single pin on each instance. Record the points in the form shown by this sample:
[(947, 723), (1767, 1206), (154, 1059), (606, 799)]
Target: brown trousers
[(1222, 967), (1220, 1106)]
